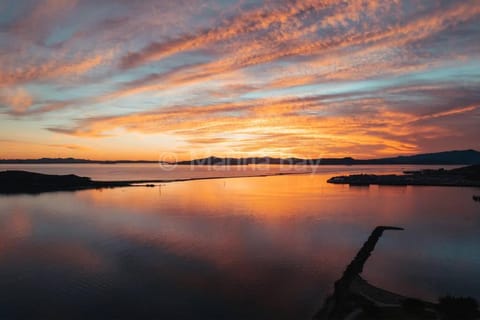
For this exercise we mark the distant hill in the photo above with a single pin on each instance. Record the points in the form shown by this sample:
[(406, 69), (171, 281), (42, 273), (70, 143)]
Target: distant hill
[(69, 160), (457, 157), (446, 157), (462, 157), (264, 160)]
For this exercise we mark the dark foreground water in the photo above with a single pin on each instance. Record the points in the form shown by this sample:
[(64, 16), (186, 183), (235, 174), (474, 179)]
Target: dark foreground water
[(243, 248)]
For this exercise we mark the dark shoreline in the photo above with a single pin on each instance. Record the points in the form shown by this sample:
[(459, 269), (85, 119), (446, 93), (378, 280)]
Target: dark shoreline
[(460, 177), (24, 182)]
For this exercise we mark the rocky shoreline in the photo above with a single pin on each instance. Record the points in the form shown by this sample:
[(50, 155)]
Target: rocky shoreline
[(461, 177)]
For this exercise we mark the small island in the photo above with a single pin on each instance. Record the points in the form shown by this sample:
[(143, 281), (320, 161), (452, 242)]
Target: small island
[(468, 176)]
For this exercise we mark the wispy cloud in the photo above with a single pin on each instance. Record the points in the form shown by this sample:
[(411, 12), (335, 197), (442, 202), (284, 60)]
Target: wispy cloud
[(294, 126)]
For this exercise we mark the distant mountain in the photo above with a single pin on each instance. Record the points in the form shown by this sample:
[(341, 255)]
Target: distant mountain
[(446, 157), (264, 160), (69, 160), (457, 157), (462, 157)]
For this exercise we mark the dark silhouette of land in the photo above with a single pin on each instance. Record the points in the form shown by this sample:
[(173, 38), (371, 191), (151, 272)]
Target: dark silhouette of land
[(70, 161), (339, 304), (354, 298), (468, 176), (460, 157), (446, 158), (25, 182), (13, 181)]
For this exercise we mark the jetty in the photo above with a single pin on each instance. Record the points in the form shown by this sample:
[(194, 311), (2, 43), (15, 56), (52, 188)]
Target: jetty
[(354, 298), (352, 292)]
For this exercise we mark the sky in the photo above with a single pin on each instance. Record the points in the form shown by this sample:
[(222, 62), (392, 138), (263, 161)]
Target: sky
[(123, 79)]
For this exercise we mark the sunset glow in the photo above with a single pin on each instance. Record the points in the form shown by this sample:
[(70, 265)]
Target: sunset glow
[(119, 79)]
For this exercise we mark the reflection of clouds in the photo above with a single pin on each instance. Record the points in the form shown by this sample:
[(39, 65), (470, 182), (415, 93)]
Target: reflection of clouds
[(304, 222), (15, 225), (242, 259), (275, 244), (69, 256), (22, 240)]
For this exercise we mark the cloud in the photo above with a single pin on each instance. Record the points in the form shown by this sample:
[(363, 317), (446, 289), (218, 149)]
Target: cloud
[(17, 100), (246, 22), (295, 75), (375, 119), (35, 23), (451, 112), (332, 57), (52, 69)]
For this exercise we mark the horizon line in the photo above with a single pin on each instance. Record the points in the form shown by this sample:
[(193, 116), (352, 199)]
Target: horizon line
[(236, 158)]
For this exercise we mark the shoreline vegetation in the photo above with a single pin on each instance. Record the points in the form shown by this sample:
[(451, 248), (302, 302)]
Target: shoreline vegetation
[(468, 176), (456, 157)]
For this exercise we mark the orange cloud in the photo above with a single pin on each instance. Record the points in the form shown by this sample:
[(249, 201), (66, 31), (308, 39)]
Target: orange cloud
[(52, 69), (268, 126), (451, 112)]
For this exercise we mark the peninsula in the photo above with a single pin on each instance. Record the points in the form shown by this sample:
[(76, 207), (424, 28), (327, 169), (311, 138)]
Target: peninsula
[(16, 181), (25, 182)]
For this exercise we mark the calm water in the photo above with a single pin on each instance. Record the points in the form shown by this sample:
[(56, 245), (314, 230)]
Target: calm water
[(153, 171), (245, 248)]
